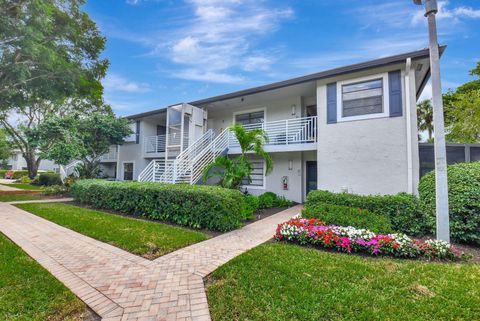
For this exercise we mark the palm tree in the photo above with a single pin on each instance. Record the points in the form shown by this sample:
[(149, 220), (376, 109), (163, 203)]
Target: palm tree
[(425, 117), (237, 169)]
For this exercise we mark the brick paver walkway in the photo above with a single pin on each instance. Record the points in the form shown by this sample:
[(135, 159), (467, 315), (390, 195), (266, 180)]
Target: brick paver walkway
[(118, 285)]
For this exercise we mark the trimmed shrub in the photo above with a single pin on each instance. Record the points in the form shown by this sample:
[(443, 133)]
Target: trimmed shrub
[(56, 190), (251, 204), (402, 209), (49, 179), (270, 199), (464, 201), (197, 206), (25, 180), (16, 174), (267, 200), (349, 216)]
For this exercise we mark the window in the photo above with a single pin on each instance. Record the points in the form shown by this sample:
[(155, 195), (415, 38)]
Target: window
[(362, 98), (258, 174), (256, 117), (127, 171)]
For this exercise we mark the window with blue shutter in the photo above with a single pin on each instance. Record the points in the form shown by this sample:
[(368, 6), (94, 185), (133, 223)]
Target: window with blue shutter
[(395, 93), (332, 103)]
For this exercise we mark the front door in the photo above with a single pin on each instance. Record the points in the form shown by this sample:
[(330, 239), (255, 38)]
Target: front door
[(311, 176)]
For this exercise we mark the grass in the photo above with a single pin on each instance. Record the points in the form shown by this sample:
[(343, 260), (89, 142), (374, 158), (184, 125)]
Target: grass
[(148, 239), (18, 197), (23, 186), (277, 281), (29, 292)]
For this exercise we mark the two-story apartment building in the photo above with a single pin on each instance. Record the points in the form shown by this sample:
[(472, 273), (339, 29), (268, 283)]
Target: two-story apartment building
[(352, 129)]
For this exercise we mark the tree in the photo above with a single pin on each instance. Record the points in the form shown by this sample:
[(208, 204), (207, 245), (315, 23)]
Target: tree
[(49, 50), (49, 64), (462, 111), (464, 119), (425, 117), (234, 170), (5, 150), (84, 138)]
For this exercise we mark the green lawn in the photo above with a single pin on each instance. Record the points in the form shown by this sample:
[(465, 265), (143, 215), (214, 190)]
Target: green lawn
[(286, 282), (144, 238), (23, 186), (18, 197), (29, 292)]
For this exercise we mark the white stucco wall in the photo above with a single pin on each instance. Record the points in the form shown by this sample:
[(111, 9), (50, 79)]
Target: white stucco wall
[(131, 152), (274, 110), (19, 163), (363, 156)]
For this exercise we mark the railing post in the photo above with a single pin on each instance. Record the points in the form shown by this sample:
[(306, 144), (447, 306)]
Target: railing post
[(286, 131)]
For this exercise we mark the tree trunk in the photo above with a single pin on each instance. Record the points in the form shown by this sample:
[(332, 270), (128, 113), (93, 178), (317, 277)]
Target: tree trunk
[(32, 163)]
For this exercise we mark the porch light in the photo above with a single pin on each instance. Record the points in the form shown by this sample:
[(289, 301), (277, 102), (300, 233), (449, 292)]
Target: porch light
[(294, 110), (290, 165)]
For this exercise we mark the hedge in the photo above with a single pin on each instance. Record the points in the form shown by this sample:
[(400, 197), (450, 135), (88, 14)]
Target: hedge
[(349, 216), (197, 206), (464, 201), (402, 209), (49, 179), (16, 173)]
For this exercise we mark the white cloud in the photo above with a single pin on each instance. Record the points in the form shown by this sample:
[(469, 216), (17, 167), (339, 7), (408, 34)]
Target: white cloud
[(114, 82), (208, 76), (220, 39), (445, 13)]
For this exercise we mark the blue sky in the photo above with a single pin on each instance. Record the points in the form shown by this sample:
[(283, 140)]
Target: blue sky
[(163, 52)]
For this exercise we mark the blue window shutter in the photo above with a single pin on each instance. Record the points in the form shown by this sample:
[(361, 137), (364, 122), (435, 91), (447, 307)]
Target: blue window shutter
[(137, 132), (332, 103), (395, 94)]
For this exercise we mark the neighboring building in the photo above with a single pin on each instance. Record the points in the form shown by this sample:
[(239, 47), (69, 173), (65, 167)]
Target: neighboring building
[(350, 129), (18, 162)]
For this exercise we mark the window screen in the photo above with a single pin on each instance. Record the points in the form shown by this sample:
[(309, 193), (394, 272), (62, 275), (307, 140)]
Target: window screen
[(362, 98), (250, 118), (257, 173)]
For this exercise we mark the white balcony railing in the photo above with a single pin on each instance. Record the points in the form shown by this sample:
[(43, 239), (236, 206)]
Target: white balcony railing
[(154, 144), (111, 156), (285, 132), (157, 144)]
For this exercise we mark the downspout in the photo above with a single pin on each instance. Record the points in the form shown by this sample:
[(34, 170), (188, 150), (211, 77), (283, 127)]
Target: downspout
[(408, 107)]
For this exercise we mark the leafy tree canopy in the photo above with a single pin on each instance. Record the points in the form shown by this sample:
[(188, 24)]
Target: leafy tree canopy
[(462, 111), (5, 149), (85, 138), (49, 50)]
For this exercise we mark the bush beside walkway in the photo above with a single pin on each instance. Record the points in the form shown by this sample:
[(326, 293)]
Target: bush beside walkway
[(197, 206)]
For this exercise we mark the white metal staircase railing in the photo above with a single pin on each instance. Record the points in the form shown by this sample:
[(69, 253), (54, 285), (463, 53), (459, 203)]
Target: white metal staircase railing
[(218, 146), (189, 165), (69, 169), (180, 169)]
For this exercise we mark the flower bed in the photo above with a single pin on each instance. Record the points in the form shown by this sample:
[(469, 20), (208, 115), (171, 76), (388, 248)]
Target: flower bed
[(349, 239)]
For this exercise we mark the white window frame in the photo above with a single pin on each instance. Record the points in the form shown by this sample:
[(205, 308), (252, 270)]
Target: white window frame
[(123, 170), (257, 186), (264, 109), (386, 98)]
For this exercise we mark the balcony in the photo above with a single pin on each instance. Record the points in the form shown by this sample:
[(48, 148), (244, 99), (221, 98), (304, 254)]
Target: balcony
[(155, 146), (296, 134), (111, 156)]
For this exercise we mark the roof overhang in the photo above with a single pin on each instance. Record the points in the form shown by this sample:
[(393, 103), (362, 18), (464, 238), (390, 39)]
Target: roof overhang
[(380, 62)]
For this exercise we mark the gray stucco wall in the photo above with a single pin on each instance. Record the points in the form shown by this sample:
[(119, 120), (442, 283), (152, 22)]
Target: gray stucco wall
[(363, 156)]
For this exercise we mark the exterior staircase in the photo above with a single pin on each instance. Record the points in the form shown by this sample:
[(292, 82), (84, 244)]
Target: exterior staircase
[(188, 166)]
